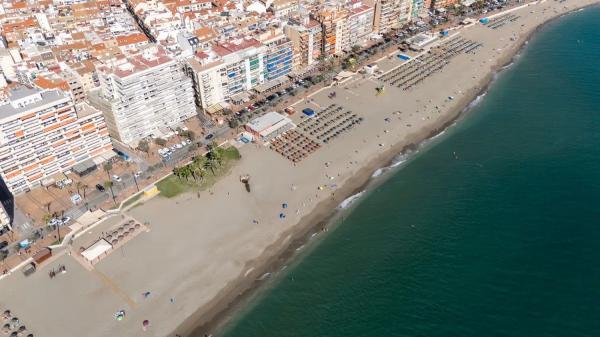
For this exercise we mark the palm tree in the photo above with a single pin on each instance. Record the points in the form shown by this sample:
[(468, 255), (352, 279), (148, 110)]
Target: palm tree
[(210, 164), (84, 187), (199, 161), (107, 168), (109, 184), (185, 172), (178, 172), (199, 172), (46, 218), (216, 155)]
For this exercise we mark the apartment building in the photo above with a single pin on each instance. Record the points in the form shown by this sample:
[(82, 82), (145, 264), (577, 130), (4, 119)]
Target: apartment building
[(42, 134), (143, 94), (307, 39), (439, 4), (359, 25), (278, 55), (390, 14), (333, 26), (231, 68), (420, 8), (283, 8), (7, 207)]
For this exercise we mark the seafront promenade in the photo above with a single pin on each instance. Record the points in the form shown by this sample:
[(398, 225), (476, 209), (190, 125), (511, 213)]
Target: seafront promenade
[(199, 251)]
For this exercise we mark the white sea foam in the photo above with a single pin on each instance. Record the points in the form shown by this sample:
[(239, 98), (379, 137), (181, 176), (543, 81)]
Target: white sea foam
[(348, 201), (264, 276), (399, 160), (476, 100), (508, 65), (377, 173)]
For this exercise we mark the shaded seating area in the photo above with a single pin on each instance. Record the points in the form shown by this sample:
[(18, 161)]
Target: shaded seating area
[(294, 146)]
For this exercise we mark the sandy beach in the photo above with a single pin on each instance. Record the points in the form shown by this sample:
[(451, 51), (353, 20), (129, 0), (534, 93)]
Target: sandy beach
[(205, 253)]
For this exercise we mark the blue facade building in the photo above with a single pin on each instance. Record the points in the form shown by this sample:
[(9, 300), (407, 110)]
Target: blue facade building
[(278, 58)]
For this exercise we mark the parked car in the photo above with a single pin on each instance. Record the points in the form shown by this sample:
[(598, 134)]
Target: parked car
[(100, 188), (209, 136), (3, 244), (65, 220), (116, 178), (137, 174)]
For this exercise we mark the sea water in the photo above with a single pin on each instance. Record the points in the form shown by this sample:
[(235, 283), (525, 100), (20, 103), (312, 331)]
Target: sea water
[(492, 231)]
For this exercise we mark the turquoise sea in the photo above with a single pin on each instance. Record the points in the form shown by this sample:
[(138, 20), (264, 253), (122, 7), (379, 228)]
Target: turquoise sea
[(503, 240)]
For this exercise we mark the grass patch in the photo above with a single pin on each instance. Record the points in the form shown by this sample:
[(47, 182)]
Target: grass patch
[(231, 153), (172, 186)]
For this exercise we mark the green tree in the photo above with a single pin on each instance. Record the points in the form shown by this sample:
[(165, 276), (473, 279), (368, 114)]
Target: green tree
[(186, 172), (199, 172), (109, 184), (210, 165), (84, 187), (46, 218), (234, 123), (217, 155), (177, 172), (160, 142), (107, 166), (199, 161), (189, 134), (144, 146)]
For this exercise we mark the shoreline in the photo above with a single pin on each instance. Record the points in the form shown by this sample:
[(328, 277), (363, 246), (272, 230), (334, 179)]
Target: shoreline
[(211, 318)]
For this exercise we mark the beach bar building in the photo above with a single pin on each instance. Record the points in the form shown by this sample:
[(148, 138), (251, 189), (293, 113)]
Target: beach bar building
[(269, 126)]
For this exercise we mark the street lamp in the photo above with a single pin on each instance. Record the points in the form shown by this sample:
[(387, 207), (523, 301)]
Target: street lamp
[(135, 181)]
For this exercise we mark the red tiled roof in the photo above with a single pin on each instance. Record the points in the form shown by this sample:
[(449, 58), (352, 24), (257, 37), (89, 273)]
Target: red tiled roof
[(131, 39)]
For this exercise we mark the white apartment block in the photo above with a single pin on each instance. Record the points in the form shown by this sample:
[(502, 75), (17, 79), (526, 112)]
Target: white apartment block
[(359, 25), (42, 134), (234, 67), (143, 94)]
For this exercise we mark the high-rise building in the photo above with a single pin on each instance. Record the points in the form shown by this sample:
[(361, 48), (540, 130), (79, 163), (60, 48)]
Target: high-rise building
[(232, 68), (359, 25), (333, 25), (307, 40), (42, 133), (439, 4), (390, 14), (7, 207), (146, 93), (419, 8), (278, 55)]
